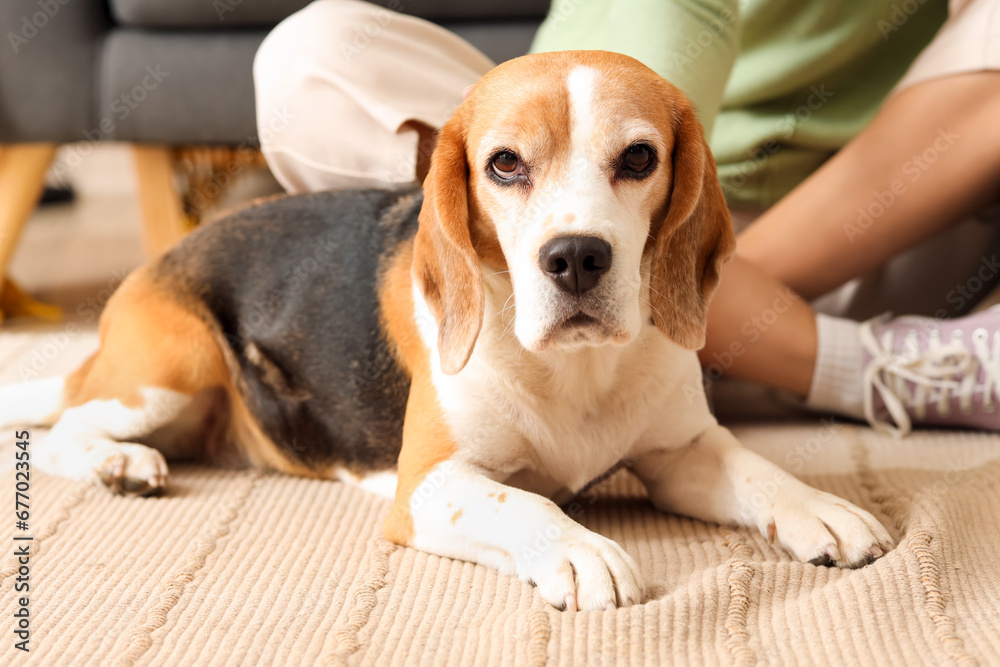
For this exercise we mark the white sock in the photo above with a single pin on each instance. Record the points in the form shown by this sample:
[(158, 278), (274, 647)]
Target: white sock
[(838, 376)]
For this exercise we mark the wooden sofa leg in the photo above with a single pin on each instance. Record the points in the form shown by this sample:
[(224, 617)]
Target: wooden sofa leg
[(163, 218), (22, 179)]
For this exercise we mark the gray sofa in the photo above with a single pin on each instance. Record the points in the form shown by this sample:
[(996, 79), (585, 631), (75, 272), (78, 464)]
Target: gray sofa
[(176, 71)]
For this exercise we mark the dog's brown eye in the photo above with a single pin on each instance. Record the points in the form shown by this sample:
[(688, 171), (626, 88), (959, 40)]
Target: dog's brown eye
[(637, 158), (505, 164)]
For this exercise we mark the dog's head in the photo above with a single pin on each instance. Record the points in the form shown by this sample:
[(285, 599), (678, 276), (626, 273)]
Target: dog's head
[(587, 176)]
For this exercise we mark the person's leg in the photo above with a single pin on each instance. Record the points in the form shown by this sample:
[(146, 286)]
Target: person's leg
[(349, 95), (811, 241), (929, 159), (759, 332)]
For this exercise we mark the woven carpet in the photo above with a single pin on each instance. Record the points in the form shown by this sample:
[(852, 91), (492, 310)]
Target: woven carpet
[(244, 568)]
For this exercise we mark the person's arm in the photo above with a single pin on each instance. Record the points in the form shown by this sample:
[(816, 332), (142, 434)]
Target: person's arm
[(929, 159), (690, 43)]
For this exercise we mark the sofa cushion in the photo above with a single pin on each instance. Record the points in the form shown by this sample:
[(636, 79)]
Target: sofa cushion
[(47, 69), (220, 14), (183, 87), (196, 86)]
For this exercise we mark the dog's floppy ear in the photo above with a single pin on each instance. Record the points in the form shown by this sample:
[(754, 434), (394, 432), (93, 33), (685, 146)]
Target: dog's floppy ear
[(695, 239), (445, 265)]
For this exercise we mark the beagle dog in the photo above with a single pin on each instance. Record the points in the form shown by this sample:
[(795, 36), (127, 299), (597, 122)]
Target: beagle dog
[(479, 352)]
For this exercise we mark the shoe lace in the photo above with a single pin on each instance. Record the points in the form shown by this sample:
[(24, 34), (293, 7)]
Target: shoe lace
[(912, 378)]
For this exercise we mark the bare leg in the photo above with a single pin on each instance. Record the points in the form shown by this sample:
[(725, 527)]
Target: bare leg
[(813, 240), (758, 329)]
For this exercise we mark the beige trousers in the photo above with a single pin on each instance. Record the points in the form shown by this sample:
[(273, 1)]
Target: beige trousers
[(337, 82)]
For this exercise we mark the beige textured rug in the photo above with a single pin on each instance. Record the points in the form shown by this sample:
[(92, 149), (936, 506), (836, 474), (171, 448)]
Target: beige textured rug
[(240, 568)]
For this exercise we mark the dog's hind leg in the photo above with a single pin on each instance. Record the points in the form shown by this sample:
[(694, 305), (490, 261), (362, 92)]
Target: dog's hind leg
[(149, 393), (100, 438)]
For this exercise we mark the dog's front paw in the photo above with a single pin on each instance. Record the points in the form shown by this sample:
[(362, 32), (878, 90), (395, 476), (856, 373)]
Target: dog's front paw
[(583, 570), (822, 529)]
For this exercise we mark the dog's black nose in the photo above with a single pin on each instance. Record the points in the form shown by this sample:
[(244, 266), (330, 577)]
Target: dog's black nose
[(575, 263)]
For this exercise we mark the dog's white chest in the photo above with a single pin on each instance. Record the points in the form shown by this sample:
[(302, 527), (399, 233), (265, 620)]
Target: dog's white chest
[(554, 425)]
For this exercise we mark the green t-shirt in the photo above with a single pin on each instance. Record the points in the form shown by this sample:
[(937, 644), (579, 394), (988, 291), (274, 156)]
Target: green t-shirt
[(780, 85)]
